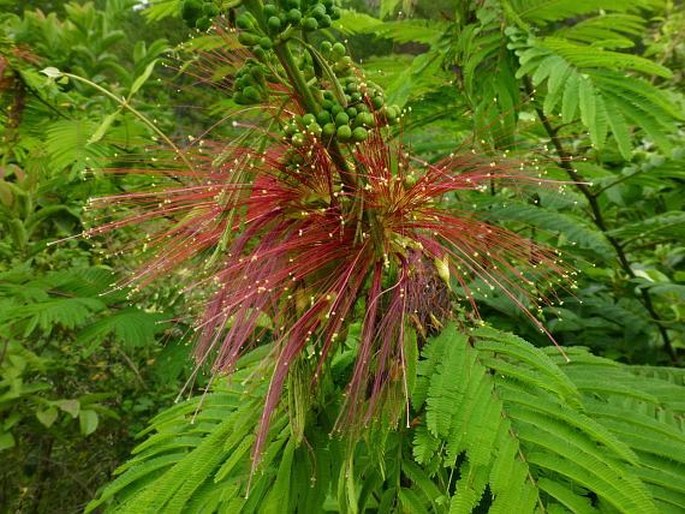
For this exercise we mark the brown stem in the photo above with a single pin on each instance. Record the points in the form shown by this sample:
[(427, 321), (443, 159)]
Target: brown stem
[(598, 219)]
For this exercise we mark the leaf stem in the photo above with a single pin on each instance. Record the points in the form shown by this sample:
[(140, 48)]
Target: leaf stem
[(123, 102)]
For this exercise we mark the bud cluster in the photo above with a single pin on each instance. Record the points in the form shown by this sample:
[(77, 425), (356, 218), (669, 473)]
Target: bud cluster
[(199, 13)]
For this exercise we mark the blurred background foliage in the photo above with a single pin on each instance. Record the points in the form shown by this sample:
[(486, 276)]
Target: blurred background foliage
[(84, 367)]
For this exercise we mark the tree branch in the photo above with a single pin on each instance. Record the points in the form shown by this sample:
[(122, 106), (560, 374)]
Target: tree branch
[(598, 219)]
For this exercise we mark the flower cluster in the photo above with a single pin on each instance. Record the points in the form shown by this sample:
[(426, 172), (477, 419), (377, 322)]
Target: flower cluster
[(299, 240)]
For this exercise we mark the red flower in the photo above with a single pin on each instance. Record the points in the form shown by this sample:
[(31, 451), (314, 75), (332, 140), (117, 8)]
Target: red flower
[(289, 253)]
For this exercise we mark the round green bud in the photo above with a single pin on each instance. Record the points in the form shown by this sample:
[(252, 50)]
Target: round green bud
[(257, 74), (294, 4), (266, 43), (296, 158), (310, 24), (325, 21), (327, 3), (274, 24), (314, 128), (239, 98), (356, 97), (298, 140), (270, 10), (323, 117), (210, 10), (351, 112), (344, 133), (328, 95), (248, 39), (241, 81), (365, 119), (251, 93), (342, 118), (338, 50), (308, 119), (377, 102), (259, 53), (326, 47), (294, 16), (360, 134), (352, 86), (290, 129), (318, 10), (336, 13), (244, 21), (326, 104), (191, 11), (336, 109), (328, 130)]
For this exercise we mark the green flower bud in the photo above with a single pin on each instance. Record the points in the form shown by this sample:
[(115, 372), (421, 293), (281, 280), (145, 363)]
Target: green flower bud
[(294, 16), (274, 24), (244, 21), (318, 10), (191, 11), (298, 140), (325, 21), (248, 39), (351, 112), (323, 117), (338, 50), (360, 134), (365, 119), (326, 47), (266, 43), (344, 133), (270, 10), (210, 10), (308, 119), (342, 118), (315, 129), (328, 130), (259, 53), (310, 24), (251, 93)]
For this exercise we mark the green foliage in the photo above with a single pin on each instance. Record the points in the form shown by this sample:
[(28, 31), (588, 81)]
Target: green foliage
[(495, 423), (498, 424)]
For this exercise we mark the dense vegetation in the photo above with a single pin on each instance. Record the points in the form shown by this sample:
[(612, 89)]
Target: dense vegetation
[(395, 256)]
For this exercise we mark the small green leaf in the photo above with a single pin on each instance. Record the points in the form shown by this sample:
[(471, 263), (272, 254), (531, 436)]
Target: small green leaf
[(142, 78), (71, 407), (104, 126), (51, 72), (48, 416), (6, 441), (569, 102), (588, 110), (88, 421)]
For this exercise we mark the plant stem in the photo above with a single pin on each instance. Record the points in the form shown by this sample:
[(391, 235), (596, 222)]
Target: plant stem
[(126, 105), (304, 94), (599, 221), (309, 103)]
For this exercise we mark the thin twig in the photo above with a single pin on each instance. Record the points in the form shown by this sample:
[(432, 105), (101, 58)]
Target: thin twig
[(598, 219)]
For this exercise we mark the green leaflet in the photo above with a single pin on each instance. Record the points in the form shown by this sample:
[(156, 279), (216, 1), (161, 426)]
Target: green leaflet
[(589, 83), (511, 415)]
